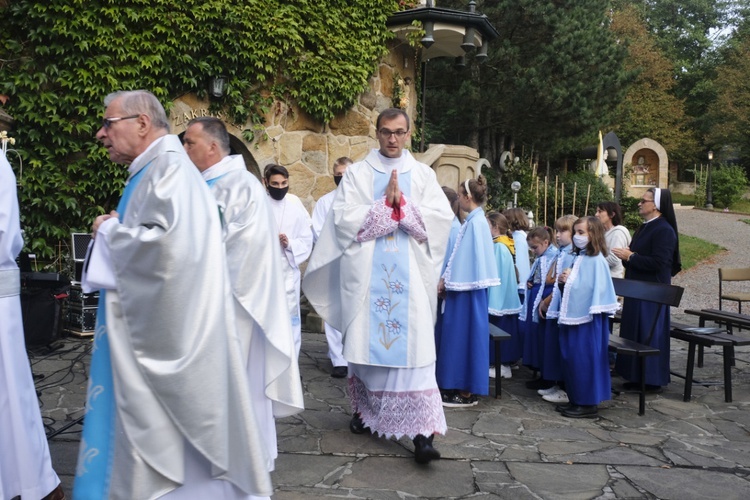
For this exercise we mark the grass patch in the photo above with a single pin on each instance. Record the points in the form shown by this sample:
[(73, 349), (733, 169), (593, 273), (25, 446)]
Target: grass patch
[(694, 250), (686, 200), (742, 206), (746, 221)]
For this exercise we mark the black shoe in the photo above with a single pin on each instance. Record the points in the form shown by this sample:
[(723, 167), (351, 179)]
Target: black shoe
[(423, 450), (589, 411), (339, 371), (459, 401), (539, 383), (356, 425), (636, 386), (563, 407)]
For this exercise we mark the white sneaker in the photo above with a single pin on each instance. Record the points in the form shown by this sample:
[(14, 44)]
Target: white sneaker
[(505, 371), (545, 392), (492, 371), (559, 397)]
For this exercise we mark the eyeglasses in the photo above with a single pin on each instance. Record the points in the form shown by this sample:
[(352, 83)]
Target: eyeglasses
[(388, 133), (644, 200), (107, 122)]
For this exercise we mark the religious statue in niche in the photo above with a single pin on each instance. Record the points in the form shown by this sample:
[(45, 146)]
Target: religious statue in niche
[(642, 174)]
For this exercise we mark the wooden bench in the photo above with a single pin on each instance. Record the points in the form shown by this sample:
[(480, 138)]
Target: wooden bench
[(659, 293), (703, 337), (727, 318), (498, 336)]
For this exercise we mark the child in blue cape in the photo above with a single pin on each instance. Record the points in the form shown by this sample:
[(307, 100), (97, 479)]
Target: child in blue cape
[(504, 303), (538, 286), (587, 298), (463, 358)]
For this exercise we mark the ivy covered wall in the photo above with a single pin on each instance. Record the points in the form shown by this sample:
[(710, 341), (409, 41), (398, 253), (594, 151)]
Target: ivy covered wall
[(61, 57)]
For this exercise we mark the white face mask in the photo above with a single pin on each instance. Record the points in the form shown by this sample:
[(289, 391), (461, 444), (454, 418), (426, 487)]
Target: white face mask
[(580, 241)]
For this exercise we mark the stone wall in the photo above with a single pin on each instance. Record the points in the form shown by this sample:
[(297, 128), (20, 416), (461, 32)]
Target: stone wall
[(308, 148)]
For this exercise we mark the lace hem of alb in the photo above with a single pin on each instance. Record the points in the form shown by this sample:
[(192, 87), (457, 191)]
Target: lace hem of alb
[(397, 414)]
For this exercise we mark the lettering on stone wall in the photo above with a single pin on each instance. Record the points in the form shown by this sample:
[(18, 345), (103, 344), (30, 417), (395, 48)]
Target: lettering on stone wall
[(180, 120)]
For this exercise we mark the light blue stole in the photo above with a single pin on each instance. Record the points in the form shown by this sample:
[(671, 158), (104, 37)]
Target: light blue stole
[(93, 470), (389, 286)]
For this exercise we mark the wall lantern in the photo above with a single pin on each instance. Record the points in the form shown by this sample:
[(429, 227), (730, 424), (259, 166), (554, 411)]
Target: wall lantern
[(216, 86)]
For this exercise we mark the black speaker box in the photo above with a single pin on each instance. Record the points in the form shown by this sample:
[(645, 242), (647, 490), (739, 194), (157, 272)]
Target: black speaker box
[(42, 296)]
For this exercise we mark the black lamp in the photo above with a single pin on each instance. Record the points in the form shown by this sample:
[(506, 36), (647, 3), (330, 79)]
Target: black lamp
[(709, 194)]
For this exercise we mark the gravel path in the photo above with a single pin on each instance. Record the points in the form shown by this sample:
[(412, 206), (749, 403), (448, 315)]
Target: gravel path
[(701, 282)]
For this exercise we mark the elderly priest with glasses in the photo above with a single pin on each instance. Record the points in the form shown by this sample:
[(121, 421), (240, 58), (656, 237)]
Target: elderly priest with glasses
[(168, 407), (374, 274)]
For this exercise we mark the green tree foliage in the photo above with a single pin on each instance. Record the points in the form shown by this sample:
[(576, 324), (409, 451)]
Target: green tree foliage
[(551, 80), (730, 114), (650, 107), (728, 183), (61, 57)]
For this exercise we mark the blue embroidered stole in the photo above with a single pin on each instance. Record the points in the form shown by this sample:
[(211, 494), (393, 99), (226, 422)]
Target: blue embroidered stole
[(95, 454), (389, 287)]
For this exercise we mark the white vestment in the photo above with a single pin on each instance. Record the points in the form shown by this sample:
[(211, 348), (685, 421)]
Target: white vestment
[(392, 399), (180, 382), (25, 466), (258, 289), (333, 336), (290, 217)]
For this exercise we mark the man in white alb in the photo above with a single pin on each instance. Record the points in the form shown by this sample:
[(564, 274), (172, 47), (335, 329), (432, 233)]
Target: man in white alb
[(374, 276), (249, 239), (322, 207), (292, 224)]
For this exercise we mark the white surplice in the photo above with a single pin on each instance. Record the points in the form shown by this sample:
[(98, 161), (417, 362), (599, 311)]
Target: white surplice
[(25, 466), (333, 336), (290, 217), (391, 400)]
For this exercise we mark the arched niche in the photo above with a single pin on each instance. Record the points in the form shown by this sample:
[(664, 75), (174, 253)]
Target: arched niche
[(647, 165)]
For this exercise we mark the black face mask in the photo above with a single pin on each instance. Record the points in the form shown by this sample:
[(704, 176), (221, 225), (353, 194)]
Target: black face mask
[(277, 193), (337, 179)]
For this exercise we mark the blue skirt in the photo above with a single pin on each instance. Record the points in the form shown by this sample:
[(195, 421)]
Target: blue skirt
[(511, 350), (636, 324), (463, 358), (585, 361), (533, 333), (551, 361)]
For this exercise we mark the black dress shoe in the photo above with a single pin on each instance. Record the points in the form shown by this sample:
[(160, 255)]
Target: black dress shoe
[(357, 426), (423, 449), (339, 371), (589, 411), (561, 408)]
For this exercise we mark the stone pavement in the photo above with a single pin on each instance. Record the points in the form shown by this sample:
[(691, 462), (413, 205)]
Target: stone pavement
[(513, 447)]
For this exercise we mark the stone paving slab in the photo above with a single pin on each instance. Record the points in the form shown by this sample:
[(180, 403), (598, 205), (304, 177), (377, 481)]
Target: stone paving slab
[(515, 447)]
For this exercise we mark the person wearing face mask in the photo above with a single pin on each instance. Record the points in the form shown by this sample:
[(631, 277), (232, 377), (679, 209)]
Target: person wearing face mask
[(538, 286), (653, 255), (551, 361), (320, 212), (293, 225), (587, 298)]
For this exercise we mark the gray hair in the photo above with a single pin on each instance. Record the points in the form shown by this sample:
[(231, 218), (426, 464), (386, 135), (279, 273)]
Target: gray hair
[(137, 102), (214, 128)]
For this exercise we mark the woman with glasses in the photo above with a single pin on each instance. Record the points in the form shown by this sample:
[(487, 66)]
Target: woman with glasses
[(653, 255)]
